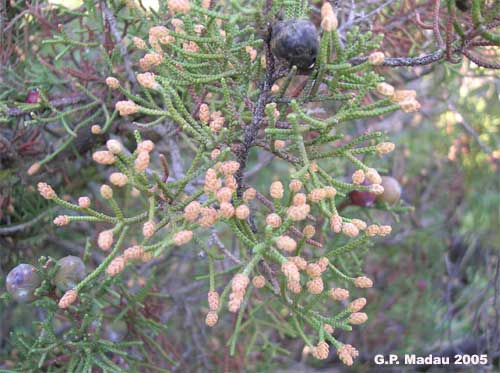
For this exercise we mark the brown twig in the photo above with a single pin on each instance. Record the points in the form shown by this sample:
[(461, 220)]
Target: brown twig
[(479, 61), (251, 131), (449, 32), (405, 61), (353, 20), (468, 128), (110, 18), (435, 24), (164, 164), (58, 102), (12, 229), (421, 24), (285, 156), (221, 247)]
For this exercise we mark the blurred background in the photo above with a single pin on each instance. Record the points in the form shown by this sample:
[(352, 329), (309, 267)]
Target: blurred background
[(437, 277)]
